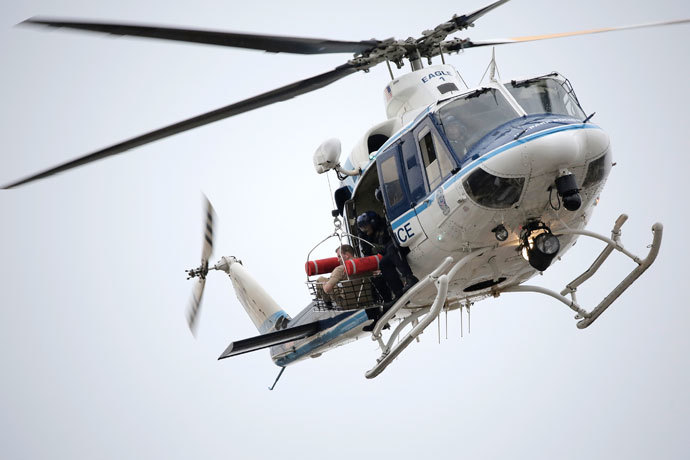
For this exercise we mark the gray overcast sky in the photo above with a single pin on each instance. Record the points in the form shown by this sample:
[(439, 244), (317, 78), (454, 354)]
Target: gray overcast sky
[(97, 361)]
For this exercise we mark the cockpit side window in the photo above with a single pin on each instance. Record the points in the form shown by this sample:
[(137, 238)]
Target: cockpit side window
[(466, 120), (597, 170), (546, 95), (433, 173), (437, 160), (493, 191)]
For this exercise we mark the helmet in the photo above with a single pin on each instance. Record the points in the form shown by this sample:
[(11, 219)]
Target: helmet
[(367, 218)]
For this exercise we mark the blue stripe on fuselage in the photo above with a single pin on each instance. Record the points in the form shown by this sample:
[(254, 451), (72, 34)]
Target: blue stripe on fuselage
[(500, 149)]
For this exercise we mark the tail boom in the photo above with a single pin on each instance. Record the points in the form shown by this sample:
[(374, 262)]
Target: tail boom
[(264, 312)]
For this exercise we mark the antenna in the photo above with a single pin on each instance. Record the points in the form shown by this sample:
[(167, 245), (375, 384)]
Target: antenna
[(491, 68), (492, 65)]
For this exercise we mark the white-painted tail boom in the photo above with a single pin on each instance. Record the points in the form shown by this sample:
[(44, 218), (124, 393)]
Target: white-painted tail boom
[(261, 308)]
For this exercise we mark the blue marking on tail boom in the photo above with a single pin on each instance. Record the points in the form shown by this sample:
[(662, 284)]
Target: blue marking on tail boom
[(271, 321), (321, 339)]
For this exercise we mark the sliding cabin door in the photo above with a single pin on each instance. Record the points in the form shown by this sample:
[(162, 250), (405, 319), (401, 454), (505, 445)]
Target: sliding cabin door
[(399, 197)]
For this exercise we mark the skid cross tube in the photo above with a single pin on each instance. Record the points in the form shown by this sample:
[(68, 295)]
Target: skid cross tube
[(413, 318), (388, 354), (587, 317), (385, 360), (616, 237), (376, 333)]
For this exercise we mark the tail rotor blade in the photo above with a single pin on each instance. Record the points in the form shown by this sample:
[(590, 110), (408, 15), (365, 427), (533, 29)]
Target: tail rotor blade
[(201, 271), (195, 305), (207, 249)]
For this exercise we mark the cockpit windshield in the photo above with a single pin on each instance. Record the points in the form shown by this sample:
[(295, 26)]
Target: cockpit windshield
[(465, 121), (546, 95)]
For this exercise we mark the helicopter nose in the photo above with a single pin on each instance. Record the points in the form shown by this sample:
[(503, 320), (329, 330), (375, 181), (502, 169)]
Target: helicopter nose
[(550, 151), (557, 150)]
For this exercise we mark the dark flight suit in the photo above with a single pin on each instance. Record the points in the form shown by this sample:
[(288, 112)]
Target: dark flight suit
[(392, 262)]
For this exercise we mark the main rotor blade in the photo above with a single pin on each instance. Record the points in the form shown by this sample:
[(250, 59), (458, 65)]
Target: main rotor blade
[(270, 43), (270, 97), (467, 19), (457, 45)]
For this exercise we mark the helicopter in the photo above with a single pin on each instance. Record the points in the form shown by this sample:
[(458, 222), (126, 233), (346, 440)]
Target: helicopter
[(453, 261)]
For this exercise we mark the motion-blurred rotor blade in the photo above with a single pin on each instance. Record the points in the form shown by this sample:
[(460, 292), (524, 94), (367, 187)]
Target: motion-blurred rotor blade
[(271, 97), (195, 304), (202, 270), (458, 44), (270, 43), (207, 249)]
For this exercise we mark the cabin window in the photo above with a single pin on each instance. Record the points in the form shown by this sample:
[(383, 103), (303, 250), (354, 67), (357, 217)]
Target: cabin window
[(493, 191), (437, 160), (546, 95), (391, 181), (413, 169), (447, 88), (376, 141), (597, 170), (465, 121)]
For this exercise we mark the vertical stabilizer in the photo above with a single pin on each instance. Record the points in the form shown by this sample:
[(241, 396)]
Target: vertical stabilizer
[(264, 312)]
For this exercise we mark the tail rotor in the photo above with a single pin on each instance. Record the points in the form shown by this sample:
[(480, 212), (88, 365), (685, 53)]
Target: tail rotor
[(202, 270)]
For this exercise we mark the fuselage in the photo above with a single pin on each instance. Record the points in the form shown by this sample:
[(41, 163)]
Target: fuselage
[(458, 168)]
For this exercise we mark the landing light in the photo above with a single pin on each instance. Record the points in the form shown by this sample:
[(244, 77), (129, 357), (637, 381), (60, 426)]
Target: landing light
[(541, 253), (500, 232), (539, 246), (547, 244)]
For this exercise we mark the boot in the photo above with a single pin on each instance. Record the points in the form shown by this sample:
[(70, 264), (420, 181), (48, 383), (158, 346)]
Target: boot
[(375, 314), (409, 281)]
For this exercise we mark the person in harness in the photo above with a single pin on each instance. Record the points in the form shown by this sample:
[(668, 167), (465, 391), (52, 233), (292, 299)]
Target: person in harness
[(328, 284), (374, 231)]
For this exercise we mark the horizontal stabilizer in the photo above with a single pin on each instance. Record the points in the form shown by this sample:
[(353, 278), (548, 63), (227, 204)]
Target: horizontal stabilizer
[(278, 337)]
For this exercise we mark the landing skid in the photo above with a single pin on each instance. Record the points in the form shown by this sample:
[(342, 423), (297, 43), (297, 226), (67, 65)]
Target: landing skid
[(423, 317), (427, 315), (586, 317)]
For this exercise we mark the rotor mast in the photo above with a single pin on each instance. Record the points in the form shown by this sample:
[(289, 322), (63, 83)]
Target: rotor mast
[(431, 44)]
